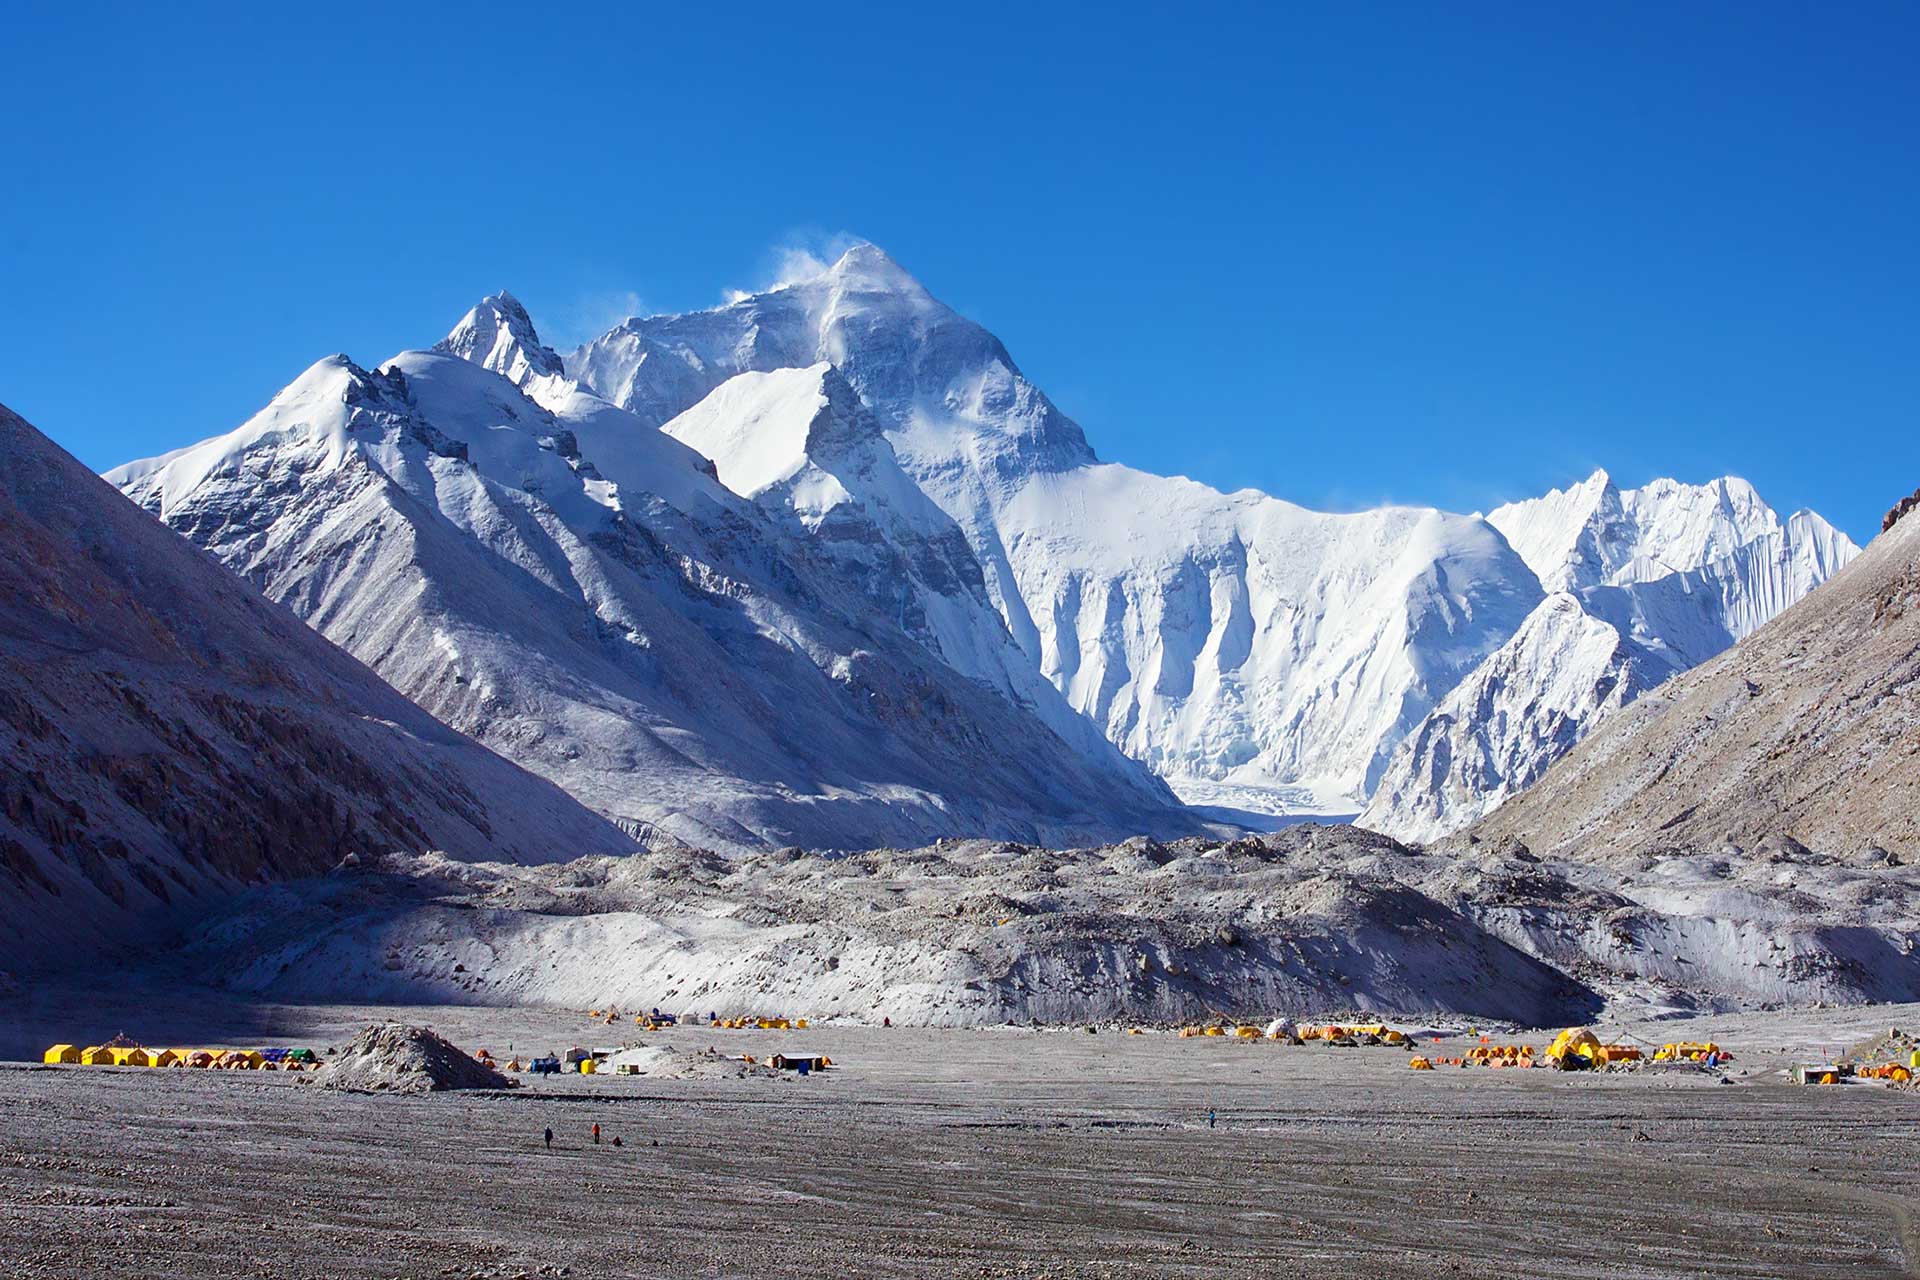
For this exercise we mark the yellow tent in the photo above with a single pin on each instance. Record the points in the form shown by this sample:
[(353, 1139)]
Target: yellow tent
[(1419, 1064), (61, 1053), (97, 1056), (163, 1058), (134, 1057), (1574, 1047)]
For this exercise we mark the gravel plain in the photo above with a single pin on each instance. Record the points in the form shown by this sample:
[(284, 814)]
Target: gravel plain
[(948, 1153)]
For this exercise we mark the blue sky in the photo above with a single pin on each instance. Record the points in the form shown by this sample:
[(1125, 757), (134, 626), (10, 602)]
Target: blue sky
[(1443, 254)]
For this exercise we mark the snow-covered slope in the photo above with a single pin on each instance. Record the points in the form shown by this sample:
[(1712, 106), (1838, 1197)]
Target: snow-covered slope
[(1240, 645), (1646, 583), (578, 590), (167, 736)]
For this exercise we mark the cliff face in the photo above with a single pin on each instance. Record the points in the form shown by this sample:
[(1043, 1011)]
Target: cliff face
[(1899, 509)]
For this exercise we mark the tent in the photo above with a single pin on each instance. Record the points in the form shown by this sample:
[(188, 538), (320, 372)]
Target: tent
[(199, 1058), (1573, 1049), (61, 1053), (302, 1055), (97, 1056), (163, 1058), (239, 1060), (134, 1057)]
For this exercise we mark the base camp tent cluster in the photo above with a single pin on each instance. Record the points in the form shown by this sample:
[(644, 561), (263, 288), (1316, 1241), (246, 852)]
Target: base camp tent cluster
[(136, 1055)]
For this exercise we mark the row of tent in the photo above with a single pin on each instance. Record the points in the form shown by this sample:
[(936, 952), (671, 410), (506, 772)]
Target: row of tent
[(1575, 1049), (1835, 1073), (657, 1021), (1282, 1030), (215, 1059)]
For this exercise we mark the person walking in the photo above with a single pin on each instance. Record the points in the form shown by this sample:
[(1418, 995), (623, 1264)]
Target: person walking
[(596, 1134), (549, 1139), (1209, 1117)]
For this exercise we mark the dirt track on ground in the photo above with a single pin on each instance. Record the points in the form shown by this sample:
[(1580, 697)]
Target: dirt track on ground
[(962, 1153)]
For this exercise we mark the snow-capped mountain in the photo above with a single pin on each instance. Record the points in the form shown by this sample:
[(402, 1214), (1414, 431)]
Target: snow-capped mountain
[(578, 590), (1646, 583), (1249, 650), (781, 571), (170, 737), (1255, 654)]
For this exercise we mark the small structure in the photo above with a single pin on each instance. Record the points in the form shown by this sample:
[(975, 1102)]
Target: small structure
[(801, 1062), (61, 1053), (97, 1055), (1816, 1075), (131, 1057), (162, 1058)]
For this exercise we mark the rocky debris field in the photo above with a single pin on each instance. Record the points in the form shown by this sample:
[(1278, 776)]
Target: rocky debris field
[(969, 1153), (391, 1058), (1313, 918)]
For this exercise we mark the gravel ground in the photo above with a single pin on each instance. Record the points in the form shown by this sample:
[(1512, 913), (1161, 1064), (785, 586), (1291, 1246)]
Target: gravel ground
[(977, 1153)]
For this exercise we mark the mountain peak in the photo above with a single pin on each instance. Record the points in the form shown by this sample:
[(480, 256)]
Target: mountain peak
[(868, 268), (498, 334)]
